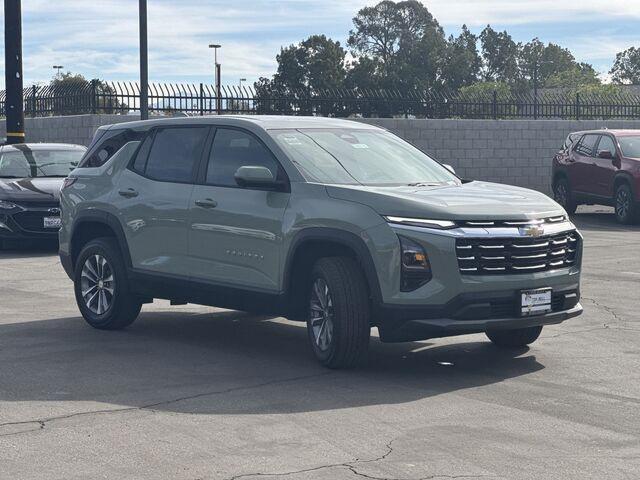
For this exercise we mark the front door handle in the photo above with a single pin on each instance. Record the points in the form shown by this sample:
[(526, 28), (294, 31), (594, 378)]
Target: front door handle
[(128, 193), (207, 203)]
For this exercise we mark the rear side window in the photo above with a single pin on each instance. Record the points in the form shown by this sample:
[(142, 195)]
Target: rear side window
[(233, 149), (175, 153), (586, 145), (108, 145)]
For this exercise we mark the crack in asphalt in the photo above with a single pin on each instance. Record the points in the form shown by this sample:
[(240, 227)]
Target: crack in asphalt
[(606, 308), (352, 467), (42, 422)]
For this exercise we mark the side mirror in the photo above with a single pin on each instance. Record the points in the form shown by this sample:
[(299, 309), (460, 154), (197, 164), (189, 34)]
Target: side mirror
[(605, 154), (254, 176), (450, 168)]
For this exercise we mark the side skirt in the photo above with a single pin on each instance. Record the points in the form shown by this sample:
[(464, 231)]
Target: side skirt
[(180, 290)]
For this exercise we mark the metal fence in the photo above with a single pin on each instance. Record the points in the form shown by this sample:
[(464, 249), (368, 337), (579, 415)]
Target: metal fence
[(202, 99)]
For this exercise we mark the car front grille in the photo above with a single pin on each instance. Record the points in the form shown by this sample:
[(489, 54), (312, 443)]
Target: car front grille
[(498, 256), (33, 221)]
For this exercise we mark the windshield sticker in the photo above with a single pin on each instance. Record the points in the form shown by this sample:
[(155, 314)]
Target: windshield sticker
[(290, 140)]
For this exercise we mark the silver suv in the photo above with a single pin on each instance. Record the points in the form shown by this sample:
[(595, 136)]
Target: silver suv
[(332, 222)]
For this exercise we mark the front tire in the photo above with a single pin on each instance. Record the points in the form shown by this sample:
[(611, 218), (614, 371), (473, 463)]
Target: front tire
[(339, 312), (102, 287), (516, 338), (625, 206), (563, 195)]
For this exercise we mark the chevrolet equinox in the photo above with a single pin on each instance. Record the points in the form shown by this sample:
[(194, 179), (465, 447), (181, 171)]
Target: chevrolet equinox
[(336, 223)]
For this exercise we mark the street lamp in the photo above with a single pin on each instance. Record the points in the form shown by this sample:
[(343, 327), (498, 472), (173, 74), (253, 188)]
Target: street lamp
[(240, 82), (218, 68), (58, 68)]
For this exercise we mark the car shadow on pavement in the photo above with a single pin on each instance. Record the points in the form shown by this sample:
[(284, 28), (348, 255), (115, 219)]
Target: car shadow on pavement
[(28, 249), (232, 363), (601, 218)]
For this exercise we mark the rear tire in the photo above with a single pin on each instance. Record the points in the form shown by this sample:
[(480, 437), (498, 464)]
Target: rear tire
[(563, 195), (625, 206), (339, 312), (517, 338), (102, 287)]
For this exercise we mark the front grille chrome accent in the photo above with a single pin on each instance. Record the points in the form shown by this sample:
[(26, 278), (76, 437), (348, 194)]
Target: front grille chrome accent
[(491, 255)]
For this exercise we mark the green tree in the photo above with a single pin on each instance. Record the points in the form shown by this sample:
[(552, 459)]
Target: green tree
[(577, 76), (398, 45), (316, 63), (626, 69), (462, 63), (74, 94), (500, 54)]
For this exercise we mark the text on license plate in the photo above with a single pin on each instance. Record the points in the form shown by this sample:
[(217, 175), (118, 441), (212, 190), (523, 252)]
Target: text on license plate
[(52, 222), (535, 302)]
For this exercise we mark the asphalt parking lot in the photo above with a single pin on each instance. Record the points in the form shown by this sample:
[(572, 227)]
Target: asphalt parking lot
[(193, 392)]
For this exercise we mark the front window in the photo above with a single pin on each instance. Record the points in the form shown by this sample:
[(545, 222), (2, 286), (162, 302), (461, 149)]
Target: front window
[(27, 163), (630, 146), (359, 157)]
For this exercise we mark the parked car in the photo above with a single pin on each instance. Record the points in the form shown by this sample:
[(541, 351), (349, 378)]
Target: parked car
[(31, 176), (332, 222), (600, 167)]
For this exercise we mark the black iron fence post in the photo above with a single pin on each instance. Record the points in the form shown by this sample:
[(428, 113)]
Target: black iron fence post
[(577, 106), (94, 97), (495, 105), (201, 99), (34, 93)]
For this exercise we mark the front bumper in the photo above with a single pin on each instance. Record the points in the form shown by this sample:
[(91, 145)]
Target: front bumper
[(471, 313), (414, 330), (27, 223)]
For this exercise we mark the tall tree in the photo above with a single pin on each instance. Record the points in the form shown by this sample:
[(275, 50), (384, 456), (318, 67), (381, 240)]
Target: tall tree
[(626, 69), (463, 63), (316, 63), (398, 45), (500, 54)]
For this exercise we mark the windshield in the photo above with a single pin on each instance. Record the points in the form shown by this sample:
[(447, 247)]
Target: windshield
[(365, 157), (630, 146), (38, 163)]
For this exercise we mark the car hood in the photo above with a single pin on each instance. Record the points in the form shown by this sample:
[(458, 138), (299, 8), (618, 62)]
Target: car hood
[(30, 189), (467, 201)]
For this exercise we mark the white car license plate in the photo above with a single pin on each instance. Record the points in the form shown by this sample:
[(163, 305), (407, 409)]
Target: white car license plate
[(535, 302), (52, 222)]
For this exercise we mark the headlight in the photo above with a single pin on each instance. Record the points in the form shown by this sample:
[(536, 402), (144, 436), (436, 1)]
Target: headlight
[(416, 269), (421, 222), (7, 205)]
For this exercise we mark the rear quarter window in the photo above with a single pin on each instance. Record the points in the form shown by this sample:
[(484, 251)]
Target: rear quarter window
[(108, 145)]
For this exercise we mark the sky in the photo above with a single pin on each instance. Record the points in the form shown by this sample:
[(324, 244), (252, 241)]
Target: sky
[(99, 38)]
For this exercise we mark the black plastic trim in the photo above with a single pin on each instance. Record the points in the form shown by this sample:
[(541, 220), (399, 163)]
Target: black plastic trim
[(342, 237)]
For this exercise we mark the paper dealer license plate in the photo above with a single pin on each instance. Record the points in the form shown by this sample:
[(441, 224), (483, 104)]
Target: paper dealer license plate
[(535, 302)]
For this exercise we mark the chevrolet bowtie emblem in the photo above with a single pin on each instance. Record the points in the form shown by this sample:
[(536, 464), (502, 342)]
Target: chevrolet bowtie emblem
[(532, 230)]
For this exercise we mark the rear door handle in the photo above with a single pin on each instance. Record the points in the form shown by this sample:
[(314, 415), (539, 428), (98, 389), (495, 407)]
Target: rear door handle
[(128, 193), (207, 203)]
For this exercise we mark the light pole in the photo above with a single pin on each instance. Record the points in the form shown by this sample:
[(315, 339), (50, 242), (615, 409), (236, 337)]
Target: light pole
[(144, 63), (240, 82), (14, 103), (218, 71), (57, 68)]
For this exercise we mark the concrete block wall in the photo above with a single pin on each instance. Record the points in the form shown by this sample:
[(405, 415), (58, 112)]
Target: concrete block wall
[(517, 152), (77, 129)]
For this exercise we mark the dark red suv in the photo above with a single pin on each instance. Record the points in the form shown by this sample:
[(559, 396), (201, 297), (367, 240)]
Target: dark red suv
[(600, 167)]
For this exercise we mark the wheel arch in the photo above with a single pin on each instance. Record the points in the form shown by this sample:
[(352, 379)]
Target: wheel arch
[(94, 224), (620, 178), (314, 243)]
